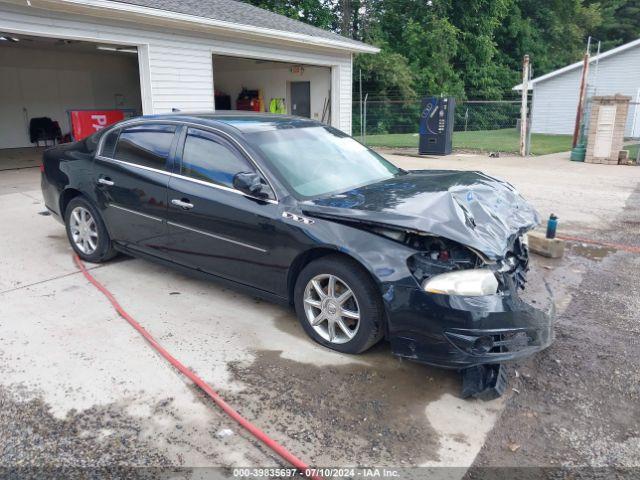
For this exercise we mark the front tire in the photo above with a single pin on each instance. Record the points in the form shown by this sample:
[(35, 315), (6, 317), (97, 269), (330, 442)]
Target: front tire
[(338, 305), (86, 231)]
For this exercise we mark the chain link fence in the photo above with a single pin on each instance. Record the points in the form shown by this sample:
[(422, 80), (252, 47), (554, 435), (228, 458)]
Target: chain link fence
[(488, 125), (479, 125), (632, 142), (402, 116)]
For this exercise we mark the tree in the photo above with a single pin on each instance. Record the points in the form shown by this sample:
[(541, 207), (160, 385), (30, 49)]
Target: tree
[(386, 74), (620, 22), (477, 53), (314, 12), (464, 48), (552, 32), (425, 37)]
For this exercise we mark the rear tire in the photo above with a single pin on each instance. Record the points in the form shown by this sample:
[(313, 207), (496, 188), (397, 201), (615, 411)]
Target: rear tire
[(338, 304), (86, 231)]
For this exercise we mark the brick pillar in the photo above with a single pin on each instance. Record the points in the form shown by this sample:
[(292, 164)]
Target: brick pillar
[(606, 128)]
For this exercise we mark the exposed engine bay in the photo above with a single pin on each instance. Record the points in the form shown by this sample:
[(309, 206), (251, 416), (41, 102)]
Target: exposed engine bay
[(439, 255)]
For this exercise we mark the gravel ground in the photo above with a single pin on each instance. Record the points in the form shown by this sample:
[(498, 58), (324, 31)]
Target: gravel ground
[(101, 441), (575, 409), (98, 439)]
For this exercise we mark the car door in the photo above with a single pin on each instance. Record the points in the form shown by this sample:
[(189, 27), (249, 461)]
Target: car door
[(214, 227), (132, 173)]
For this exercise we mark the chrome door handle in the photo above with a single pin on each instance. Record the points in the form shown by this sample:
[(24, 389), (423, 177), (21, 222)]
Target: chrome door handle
[(182, 204), (106, 181)]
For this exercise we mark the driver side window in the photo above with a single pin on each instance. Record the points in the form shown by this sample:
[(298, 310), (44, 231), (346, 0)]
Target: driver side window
[(207, 157)]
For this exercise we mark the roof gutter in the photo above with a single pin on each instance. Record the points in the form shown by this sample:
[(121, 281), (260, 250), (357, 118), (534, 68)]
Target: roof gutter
[(223, 26)]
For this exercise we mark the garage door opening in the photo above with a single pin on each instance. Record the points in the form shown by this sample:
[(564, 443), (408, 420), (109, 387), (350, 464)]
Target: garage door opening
[(270, 86), (46, 78)]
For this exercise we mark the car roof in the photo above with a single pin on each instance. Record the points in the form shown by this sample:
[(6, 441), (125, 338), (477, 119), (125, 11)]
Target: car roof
[(245, 122)]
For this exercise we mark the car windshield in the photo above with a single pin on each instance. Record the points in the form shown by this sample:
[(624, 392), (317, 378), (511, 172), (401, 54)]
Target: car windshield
[(316, 161)]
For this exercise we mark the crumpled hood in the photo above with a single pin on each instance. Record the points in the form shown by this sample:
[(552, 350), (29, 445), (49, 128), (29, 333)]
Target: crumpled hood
[(471, 208)]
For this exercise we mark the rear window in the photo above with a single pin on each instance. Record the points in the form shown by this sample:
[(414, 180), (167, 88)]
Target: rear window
[(145, 145)]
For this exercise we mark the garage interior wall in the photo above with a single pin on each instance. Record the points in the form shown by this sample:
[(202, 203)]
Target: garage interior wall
[(231, 74), (46, 82)]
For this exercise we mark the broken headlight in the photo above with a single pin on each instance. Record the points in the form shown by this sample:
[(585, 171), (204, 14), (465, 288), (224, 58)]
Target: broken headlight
[(471, 283), (444, 266)]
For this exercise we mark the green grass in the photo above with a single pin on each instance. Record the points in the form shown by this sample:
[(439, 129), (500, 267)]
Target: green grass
[(633, 150), (505, 140)]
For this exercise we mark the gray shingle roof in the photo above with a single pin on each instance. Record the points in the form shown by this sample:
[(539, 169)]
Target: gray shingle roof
[(241, 13)]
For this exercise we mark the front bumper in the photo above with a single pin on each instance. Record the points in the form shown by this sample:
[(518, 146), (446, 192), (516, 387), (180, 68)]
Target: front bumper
[(459, 332)]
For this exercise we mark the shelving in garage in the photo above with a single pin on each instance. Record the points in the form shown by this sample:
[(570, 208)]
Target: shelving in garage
[(304, 89)]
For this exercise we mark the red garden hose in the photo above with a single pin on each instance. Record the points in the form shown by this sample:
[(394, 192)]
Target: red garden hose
[(246, 424)]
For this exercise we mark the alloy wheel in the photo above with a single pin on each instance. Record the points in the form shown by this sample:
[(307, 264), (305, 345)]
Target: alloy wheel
[(84, 230), (331, 308)]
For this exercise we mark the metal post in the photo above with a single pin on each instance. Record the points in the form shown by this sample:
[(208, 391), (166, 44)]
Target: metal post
[(466, 119), (530, 122), (634, 125), (361, 126), (523, 107), (364, 132), (595, 76)]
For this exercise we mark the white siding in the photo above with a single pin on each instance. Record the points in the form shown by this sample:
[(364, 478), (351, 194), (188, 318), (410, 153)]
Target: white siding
[(344, 79), (180, 77), (555, 103), (556, 99), (175, 66)]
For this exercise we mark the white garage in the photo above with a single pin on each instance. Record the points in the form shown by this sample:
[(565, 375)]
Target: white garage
[(154, 56)]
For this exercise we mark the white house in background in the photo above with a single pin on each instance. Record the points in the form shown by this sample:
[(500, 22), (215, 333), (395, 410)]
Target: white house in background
[(151, 56), (555, 95)]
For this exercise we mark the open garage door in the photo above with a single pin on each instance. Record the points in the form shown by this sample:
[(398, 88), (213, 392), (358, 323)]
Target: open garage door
[(47, 77), (265, 85)]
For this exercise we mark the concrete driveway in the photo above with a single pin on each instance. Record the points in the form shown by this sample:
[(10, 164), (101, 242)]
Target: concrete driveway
[(79, 387)]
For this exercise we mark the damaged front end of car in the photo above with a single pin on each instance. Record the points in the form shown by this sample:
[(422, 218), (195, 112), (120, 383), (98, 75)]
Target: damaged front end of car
[(453, 288), (472, 308)]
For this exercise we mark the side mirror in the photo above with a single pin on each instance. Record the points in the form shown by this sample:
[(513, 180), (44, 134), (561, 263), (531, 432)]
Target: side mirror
[(252, 184)]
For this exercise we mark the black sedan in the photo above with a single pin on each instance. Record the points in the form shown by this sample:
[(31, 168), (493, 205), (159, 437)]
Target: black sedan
[(301, 213)]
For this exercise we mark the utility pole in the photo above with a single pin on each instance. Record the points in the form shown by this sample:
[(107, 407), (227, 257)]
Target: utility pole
[(583, 94), (364, 120), (523, 108)]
